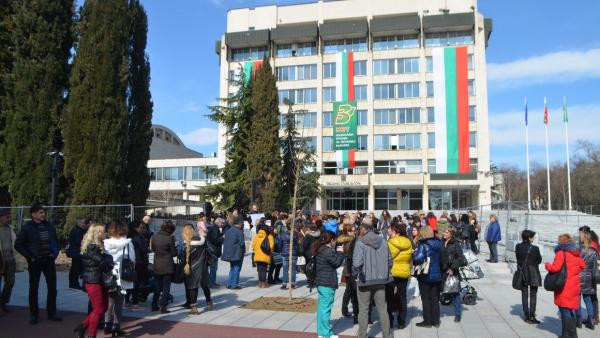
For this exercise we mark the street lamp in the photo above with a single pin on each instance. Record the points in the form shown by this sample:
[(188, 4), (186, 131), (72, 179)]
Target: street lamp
[(54, 172)]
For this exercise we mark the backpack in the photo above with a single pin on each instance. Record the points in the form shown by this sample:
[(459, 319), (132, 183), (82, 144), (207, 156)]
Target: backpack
[(311, 272), (265, 246)]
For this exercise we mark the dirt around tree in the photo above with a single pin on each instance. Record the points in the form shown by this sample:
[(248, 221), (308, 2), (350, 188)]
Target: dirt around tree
[(303, 305)]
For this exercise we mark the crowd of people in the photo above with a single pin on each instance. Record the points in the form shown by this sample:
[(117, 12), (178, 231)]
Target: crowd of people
[(121, 263)]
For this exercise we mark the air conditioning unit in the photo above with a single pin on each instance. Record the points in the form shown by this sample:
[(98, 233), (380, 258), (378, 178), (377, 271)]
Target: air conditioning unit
[(294, 49)]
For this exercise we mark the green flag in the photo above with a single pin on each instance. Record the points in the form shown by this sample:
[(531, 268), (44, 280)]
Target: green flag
[(565, 114)]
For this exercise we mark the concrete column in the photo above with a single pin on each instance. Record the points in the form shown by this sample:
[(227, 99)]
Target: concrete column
[(425, 197), (371, 194)]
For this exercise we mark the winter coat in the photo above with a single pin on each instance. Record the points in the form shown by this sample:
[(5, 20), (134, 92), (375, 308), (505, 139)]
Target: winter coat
[(163, 246), (234, 246), (371, 261), (401, 252), (432, 248), (198, 261), (75, 238), (346, 241), (589, 256), (453, 257), (328, 260), (94, 264), (259, 255), (432, 222), (215, 237), (27, 242), (493, 232), (284, 244), (531, 272), (383, 225), (19, 260), (309, 238), (569, 296), (140, 245), (118, 248)]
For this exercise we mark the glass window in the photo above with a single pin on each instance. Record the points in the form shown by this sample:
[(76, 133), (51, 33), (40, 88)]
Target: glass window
[(398, 167), (287, 73), (362, 142), (306, 49), (429, 64), (409, 141), (430, 114), (473, 165), (252, 53), (449, 39), (329, 70), (472, 113), (327, 143), (407, 90), (360, 93), (327, 119), (328, 94), (304, 95), (409, 115), (173, 174), (411, 199), (395, 42), (360, 168), (409, 65), (386, 199), (470, 62), (307, 72), (385, 116), (431, 140), (348, 45), (284, 50), (310, 143), (306, 120), (362, 117), (360, 68), (472, 139), (431, 166), (471, 87), (429, 88), (382, 142)]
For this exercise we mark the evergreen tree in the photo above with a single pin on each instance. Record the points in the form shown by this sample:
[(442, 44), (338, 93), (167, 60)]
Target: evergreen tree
[(41, 42), (95, 125), (6, 60), (235, 114), (139, 106), (289, 147), (264, 157)]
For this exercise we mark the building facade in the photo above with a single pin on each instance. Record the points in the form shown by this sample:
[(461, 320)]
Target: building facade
[(392, 43)]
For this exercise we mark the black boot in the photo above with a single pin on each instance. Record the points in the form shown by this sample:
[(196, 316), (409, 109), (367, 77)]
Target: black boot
[(80, 330), (107, 328), (572, 328), (116, 331)]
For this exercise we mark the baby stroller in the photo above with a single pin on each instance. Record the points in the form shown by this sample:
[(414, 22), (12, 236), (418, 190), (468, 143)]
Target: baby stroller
[(469, 272)]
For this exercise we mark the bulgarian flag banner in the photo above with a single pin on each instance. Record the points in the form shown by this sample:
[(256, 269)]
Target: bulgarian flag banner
[(345, 158), (250, 69), (344, 77), (345, 120), (451, 102)]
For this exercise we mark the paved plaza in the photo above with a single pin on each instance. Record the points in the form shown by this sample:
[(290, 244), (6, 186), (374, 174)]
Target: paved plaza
[(496, 314)]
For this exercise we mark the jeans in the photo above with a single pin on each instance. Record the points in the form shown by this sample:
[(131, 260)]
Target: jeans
[(587, 300), (9, 281), (214, 264), (98, 296), (430, 297), (493, 251), (529, 307), (286, 266), (162, 290), (396, 299), (566, 313), (457, 304), (364, 298), (234, 273), (46, 266), (75, 272), (273, 274), (324, 306), (262, 271), (350, 296), (114, 313)]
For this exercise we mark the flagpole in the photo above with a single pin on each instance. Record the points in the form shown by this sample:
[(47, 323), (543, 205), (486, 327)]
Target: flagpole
[(547, 154), (566, 123), (527, 152)]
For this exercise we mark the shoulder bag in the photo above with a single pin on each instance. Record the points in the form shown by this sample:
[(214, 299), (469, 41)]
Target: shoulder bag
[(128, 272), (555, 281), (519, 276)]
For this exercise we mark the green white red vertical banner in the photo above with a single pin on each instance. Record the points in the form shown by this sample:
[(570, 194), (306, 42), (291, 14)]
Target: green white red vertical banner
[(250, 69), (345, 136), (451, 103)]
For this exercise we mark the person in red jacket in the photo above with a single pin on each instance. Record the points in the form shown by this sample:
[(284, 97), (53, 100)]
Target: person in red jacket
[(567, 299)]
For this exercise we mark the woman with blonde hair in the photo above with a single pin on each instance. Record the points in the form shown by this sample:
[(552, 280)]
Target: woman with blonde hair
[(195, 257), (95, 263), (589, 256), (429, 250)]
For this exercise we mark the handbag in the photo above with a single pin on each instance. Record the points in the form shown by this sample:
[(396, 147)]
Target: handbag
[(265, 246), (519, 276), (555, 281), (423, 268), (109, 280), (179, 271), (451, 285), (127, 267)]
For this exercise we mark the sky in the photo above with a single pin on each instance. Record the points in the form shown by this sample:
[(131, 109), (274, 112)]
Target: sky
[(537, 49)]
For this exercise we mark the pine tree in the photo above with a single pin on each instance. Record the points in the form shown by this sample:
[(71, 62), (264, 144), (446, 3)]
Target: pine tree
[(6, 60), (95, 125), (235, 114), (264, 156), (41, 42), (139, 106), (289, 147)]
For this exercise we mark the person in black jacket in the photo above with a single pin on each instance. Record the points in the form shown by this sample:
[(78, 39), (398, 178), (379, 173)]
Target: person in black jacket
[(95, 262), (75, 238), (37, 242), (137, 234), (328, 260), (529, 259), (163, 246), (453, 259), (215, 237)]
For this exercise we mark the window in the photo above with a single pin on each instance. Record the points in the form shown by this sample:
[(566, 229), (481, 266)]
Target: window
[(231, 78), (384, 91), (429, 64), (409, 115), (362, 117), (410, 65), (395, 90), (302, 72), (173, 174), (362, 142), (408, 90), (360, 168), (156, 174), (201, 173), (310, 143), (329, 70), (287, 73), (473, 165), (327, 119), (327, 143), (472, 113), (471, 87), (429, 88), (431, 140), (348, 45), (398, 167), (430, 114), (382, 142), (449, 39), (252, 53), (409, 141), (306, 120), (472, 139), (328, 94), (284, 51), (360, 68), (470, 62), (386, 199), (384, 67), (350, 199), (411, 199), (305, 95), (395, 42), (307, 72), (431, 166), (301, 49), (360, 93), (395, 66), (385, 116)]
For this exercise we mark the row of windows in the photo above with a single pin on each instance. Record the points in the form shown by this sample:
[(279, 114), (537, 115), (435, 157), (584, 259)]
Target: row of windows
[(298, 96), (472, 140), (360, 93), (389, 167), (360, 114), (388, 91), (397, 116), (355, 45), (182, 173), (395, 66), (300, 72)]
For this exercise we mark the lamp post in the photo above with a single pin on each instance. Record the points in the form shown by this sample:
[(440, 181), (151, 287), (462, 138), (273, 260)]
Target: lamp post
[(54, 172)]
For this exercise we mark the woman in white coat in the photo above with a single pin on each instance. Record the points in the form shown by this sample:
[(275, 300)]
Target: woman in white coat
[(118, 246)]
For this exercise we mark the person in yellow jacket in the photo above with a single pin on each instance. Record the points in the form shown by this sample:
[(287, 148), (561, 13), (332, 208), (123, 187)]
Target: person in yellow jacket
[(401, 251), (262, 258)]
